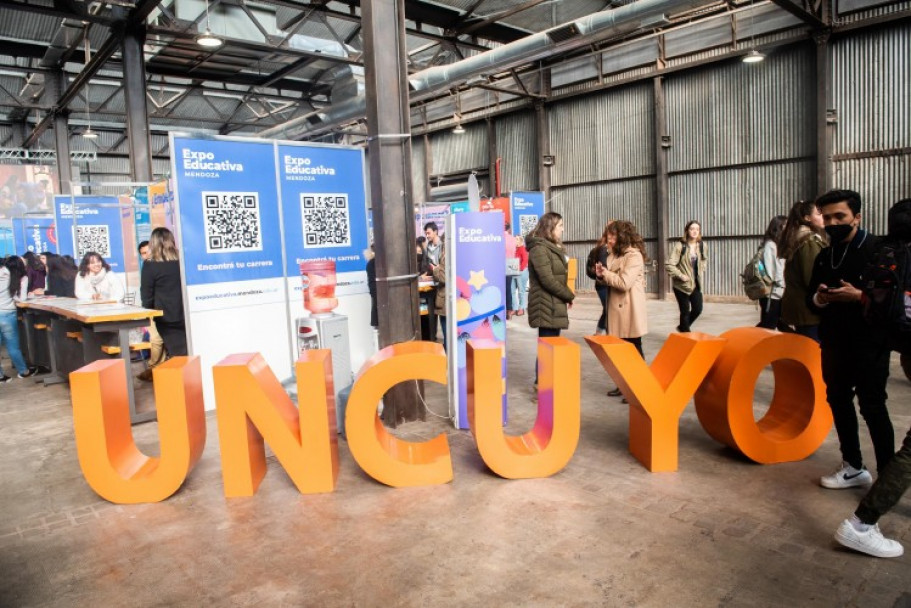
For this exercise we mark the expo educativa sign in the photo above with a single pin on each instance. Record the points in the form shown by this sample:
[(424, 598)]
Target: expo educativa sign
[(252, 408)]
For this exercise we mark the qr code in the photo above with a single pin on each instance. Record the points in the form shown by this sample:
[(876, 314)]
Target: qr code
[(232, 221), (325, 220), (527, 223), (92, 238)]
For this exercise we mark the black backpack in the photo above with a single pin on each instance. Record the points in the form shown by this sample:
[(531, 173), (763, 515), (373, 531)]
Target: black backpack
[(886, 284)]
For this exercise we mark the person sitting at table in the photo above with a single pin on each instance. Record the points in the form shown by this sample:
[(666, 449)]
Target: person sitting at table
[(95, 280), (61, 277), (13, 288), (36, 271), (159, 286)]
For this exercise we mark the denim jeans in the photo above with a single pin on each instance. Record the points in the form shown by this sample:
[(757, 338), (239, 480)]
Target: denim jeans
[(9, 337), (523, 290)]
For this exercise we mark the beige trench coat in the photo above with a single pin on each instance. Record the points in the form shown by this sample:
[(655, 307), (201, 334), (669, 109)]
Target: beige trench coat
[(626, 312)]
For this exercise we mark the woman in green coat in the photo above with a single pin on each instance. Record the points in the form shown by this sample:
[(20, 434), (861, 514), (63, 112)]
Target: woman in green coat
[(802, 240), (549, 296), (686, 267)]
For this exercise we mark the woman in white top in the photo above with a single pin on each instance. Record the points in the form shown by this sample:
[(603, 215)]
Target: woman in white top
[(770, 307), (95, 281)]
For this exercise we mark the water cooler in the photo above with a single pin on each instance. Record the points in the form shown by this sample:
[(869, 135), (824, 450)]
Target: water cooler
[(330, 331)]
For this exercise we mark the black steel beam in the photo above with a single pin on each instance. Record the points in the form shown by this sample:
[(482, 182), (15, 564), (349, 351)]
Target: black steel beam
[(17, 48), (60, 9), (800, 12)]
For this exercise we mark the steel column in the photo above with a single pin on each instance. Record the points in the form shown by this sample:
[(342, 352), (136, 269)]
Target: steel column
[(57, 82), (137, 115), (661, 183), (542, 141), (823, 133), (389, 154)]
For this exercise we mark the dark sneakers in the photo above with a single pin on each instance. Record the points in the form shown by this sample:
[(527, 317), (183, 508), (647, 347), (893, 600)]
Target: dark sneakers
[(28, 372)]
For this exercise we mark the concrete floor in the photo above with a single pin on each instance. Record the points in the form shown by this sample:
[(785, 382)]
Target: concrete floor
[(721, 531)]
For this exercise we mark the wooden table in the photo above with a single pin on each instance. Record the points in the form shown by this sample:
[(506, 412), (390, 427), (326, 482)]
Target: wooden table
[(97, 320)]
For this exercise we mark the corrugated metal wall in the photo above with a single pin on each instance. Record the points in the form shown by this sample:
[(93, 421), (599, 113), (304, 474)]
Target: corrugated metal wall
[(604, 136), (604, 165), (871, 85), (418, 170), (742, 150), (454, 153), (516, 144)]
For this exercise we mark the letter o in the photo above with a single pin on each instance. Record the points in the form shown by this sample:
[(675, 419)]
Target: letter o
[(798, 419)]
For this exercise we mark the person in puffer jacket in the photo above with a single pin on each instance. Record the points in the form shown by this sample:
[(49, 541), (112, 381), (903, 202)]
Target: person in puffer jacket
[(549, 296)]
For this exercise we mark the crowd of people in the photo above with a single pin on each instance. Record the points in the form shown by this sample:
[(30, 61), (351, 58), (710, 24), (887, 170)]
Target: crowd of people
[(48, 274), (815, 259)]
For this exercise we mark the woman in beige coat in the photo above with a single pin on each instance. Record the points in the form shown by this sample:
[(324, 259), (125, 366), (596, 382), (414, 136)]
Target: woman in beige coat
[(625, 275)]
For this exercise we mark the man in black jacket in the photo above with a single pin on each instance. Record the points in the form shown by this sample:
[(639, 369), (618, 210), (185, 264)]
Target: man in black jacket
[(853, 361)]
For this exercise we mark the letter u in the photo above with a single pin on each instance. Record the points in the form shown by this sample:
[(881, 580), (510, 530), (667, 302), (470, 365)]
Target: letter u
[(112, 464)]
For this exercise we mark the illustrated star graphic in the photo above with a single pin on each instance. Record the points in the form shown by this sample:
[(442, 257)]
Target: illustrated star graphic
[(477, 279)]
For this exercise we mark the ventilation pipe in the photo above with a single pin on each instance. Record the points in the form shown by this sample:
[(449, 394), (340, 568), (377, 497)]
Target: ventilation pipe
[(566, 37)]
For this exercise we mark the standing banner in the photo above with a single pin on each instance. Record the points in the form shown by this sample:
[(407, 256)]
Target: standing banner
[(527, 209), (7, 246), (96, 226), (229, 236), (475, 297), (35, 234), (324, 210)]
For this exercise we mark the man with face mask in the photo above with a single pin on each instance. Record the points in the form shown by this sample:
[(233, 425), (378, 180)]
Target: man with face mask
[(854, 361)]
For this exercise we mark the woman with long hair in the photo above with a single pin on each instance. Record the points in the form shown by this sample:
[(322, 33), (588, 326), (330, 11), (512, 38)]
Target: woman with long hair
[(61, 277), (13, 288), (95, 281), (686, 265), (549, 296), (160, 288), (801, 241), (770, 306), (36, 271), (624, 275), (598, 255)]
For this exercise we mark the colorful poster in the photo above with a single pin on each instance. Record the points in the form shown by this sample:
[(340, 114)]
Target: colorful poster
[(430, 213), (476, 298), (227, 202), (527, 208), (26, 189), (161, 205), (324, 210), (90, 223), (35, 234), (500, 204)]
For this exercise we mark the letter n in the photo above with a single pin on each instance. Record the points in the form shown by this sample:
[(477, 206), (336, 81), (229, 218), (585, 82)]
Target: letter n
[(550, 444), (112, 464), (658, 394), (252, 407), (380, 454), (798, 419)]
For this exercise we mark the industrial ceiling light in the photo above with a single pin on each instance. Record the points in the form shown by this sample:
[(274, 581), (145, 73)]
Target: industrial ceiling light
[(753, 56), (207, 39), (459, 129), (88, 133)]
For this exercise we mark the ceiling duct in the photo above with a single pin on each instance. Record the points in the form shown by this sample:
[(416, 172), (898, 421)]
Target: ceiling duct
[(562, 38)]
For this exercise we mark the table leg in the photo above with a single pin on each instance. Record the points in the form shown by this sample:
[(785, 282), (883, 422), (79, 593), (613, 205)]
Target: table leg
[(56, 326)]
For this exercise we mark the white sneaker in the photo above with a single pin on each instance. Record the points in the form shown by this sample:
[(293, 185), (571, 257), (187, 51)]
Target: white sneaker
[(846, 477), (872, 542)]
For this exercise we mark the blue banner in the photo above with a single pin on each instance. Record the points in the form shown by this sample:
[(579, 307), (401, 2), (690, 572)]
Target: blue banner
[(97, 227), (6, 239), (228, 206), (35, 234), (527, 208), (142, 215), (324, 209), (476, 295)]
